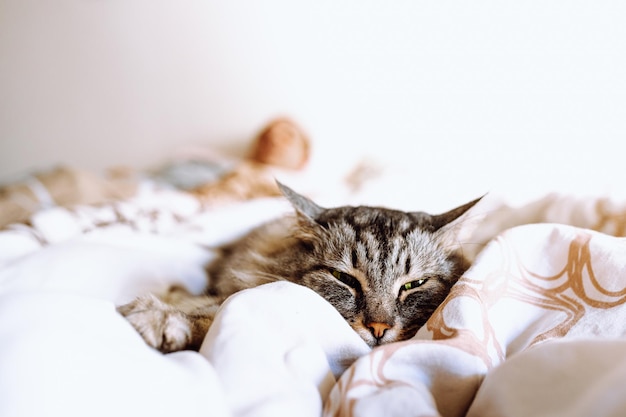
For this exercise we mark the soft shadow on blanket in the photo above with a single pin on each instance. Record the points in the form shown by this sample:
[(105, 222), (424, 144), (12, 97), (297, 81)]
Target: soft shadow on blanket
[(537, 321)]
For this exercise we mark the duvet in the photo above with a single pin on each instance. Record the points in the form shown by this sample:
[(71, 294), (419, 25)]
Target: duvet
[(535, 327)]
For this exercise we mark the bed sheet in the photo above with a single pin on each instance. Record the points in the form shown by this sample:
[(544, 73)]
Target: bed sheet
[(538, 316)]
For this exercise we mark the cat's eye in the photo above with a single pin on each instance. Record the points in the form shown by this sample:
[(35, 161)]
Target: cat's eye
[(413, 284), (347, 279)]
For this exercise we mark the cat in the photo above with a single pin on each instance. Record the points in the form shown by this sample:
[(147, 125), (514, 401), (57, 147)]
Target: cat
[(384, 270)]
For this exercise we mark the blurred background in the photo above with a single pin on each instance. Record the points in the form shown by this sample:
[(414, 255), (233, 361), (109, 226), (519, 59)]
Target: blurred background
[(459, 96)]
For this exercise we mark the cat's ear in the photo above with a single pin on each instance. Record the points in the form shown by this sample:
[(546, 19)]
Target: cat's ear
[(449, 217), (303, 205), (455, 226)]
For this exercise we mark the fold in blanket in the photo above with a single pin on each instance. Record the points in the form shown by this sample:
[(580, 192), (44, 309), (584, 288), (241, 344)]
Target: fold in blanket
[(532, 284), (534, 327), (62, 186)]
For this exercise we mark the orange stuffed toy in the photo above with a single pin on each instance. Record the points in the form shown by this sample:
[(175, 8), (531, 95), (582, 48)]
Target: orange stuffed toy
[(281, 144)]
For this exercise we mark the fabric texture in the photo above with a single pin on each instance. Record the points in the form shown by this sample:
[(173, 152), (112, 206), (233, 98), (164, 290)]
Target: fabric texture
[(534, 327)]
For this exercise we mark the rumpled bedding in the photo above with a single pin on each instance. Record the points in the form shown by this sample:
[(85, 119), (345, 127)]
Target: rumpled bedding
[(535, 326)]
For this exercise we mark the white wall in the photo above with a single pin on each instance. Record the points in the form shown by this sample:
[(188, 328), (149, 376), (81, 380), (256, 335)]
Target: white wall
[(528, 93)]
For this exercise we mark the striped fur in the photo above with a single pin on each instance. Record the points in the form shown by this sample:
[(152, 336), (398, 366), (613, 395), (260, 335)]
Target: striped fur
[(384, 270), (381, 251)]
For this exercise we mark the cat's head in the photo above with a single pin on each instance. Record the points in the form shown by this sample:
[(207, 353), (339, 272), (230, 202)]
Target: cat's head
[(385, 271)]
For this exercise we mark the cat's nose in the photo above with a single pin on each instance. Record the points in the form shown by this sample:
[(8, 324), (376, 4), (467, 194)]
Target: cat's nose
[(378, 329)]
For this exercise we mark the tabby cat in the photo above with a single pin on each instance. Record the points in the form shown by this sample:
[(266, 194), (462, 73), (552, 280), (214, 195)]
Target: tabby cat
[(384, 270)]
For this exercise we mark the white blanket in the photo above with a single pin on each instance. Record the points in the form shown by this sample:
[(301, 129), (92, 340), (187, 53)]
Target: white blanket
[(535, 327)]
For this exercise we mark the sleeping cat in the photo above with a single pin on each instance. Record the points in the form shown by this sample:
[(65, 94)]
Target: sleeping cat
[(385, 271)]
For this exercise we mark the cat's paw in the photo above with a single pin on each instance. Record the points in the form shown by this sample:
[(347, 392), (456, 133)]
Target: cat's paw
[(162, 326)]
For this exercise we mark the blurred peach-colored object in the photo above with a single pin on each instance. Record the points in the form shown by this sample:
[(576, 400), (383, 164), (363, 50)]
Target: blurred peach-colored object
[(281, 143)]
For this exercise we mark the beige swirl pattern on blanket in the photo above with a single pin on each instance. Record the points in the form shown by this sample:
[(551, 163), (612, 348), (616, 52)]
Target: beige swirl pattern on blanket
[(533, 290), (532, 284)]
